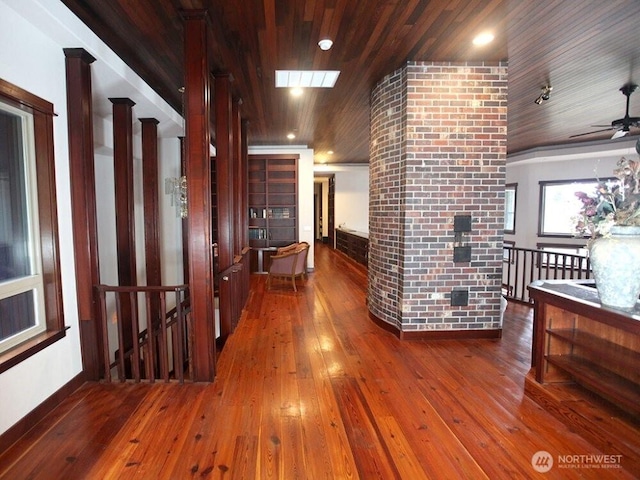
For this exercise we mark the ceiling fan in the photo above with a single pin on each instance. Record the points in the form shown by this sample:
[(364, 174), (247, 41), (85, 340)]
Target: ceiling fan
[(621, 125)]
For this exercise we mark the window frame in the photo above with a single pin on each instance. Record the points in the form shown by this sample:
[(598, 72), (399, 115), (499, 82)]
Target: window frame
[(43, 114), (514, 187), (541, 202)]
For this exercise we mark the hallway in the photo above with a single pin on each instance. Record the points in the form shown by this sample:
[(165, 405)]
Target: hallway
[(309, 387)]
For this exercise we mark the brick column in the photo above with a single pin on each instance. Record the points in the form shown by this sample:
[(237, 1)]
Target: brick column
[(438, 151)]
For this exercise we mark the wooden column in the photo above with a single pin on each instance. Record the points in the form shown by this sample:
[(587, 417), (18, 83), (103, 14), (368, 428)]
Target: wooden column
[(150, 187), (224, 169), (83, 205), (125, 221), (224, 182), (198, 171), (239, 180), (244, 159)]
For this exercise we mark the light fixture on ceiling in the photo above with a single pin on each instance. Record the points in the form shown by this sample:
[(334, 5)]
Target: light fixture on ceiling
[(329, 152), (296, 91), (325, 44), (483, 38), (291, 136), (546, 90), (306, 78)]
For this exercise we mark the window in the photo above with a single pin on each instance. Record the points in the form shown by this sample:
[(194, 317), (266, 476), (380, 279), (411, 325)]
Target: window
[(21, 286), (30, 286), (559, 206), (510, 192)]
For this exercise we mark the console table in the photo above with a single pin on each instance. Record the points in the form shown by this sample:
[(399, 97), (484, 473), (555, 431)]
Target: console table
[(576, 339)]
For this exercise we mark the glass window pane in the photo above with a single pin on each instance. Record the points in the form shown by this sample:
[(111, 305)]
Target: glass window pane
[(16, 314), (15, 257), (561, 207)]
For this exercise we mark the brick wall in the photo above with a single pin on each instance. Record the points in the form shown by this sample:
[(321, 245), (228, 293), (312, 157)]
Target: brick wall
[(438, 150)]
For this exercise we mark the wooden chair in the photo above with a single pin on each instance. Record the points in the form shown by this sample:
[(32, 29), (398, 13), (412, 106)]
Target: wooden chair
[(290, 264)]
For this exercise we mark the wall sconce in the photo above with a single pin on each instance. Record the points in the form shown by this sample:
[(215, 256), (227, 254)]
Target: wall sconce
[(546, 90), (177, 188)]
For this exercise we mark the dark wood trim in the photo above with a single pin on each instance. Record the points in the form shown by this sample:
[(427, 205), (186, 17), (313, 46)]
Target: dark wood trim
[(435, 334), (22, 98), (198, 171), (83, 205), (27, 422), (42, 112)]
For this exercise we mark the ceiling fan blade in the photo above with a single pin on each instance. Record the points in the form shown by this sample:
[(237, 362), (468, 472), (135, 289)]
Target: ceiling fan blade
[(619, 134), (589, 133)]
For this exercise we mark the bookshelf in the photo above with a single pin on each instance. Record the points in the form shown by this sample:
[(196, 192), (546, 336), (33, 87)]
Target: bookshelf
[(273, 203)]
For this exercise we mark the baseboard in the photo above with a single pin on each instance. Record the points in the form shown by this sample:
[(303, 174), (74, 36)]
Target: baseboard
[(14, 433), (435, 334)]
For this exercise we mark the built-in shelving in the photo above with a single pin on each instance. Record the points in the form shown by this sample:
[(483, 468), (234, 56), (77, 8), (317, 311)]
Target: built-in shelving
[(578, 340), (273, 205), (353, 244)]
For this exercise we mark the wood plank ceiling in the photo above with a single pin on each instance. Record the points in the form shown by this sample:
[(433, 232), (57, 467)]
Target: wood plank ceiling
[(586, 49)]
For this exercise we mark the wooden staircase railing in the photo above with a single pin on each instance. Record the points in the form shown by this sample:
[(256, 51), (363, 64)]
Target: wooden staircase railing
[(521, 266), (152, 342)]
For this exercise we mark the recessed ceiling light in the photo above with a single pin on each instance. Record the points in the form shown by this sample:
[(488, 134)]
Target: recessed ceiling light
[(483, 39), (291, 136), (329, 152), (296, 91), (325, 44), (306, 78)]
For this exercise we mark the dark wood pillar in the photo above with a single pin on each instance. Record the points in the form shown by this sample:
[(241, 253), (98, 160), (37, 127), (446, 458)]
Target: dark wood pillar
[(239, 180), (83, 205), (244, 159), (150, 187), (224, 169), (125, 219), (224, 183), (198, 171)]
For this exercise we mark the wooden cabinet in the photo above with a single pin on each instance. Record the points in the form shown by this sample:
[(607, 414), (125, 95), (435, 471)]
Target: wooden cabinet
[(273, 204), (353, 244), (578, 340)]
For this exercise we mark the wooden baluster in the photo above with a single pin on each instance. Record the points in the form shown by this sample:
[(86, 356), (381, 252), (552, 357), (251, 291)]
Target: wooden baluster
[(135, 329), (121, 345), (151, 342), (164, 356), (178, 350), (105, 335)]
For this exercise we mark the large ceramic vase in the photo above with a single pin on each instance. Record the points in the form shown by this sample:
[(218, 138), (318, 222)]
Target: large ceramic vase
[(615, 261)]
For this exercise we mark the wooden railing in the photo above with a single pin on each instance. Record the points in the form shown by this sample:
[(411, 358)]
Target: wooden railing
[(521, 266), (156, 346)]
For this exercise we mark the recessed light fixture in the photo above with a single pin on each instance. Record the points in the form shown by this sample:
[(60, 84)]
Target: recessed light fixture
[(483, 39), (329, 152), (306, 78), (291, 136), (296, 91), (325, 44)]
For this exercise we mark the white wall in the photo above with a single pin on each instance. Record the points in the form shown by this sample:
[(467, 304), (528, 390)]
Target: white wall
[(587, 160), (351, 201), (305, 190), (33, 34)]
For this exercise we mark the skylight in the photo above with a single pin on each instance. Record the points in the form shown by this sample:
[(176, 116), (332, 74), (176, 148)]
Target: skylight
[(306, 78)]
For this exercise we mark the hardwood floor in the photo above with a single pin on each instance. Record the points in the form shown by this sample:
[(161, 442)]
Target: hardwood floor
[(308, 387)]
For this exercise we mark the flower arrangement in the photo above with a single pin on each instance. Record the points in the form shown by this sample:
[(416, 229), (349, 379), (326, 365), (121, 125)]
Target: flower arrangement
[(613, 203)]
